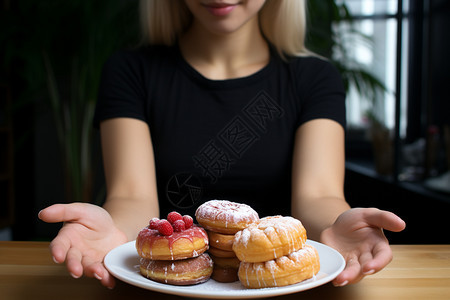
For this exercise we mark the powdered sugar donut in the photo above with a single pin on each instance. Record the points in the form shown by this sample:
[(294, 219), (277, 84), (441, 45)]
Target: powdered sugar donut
[(289, 269), (269, 238), (224, 216)]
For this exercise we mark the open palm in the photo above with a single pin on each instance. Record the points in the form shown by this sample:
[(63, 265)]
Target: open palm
[(87, 236), (358, 235)]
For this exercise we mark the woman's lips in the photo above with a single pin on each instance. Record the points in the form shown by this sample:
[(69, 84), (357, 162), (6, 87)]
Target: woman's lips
[(220, 9)]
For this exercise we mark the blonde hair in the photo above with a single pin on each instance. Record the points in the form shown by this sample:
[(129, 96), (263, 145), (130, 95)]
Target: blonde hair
[(282, 22)]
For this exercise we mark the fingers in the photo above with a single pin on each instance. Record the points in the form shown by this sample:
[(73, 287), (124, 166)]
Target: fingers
[(367, 263), (93, 268), (351, 273), (108, 280), (58, 248), (384, 219), (61, 213), (382, 256), (366, 249), (90, 268), (73, 262), (77, 264), (68, 245), (98, 270)]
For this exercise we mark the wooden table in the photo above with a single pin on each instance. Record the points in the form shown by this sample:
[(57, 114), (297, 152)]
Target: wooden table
[(417, 272)]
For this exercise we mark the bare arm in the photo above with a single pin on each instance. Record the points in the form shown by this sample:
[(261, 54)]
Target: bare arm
[(130, 174), (318, 175), (89, 231), (318, 201)]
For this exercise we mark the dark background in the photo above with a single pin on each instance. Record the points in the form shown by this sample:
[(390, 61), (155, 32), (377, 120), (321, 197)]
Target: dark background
[(38, 173)]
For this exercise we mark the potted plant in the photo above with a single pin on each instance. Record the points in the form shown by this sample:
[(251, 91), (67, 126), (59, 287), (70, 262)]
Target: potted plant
[(322, 39), (61, 47)]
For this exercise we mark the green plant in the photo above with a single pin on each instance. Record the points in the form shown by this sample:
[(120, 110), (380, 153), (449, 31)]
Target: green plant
[(58, 49), (62, 46), (99, 34), (325, 41)]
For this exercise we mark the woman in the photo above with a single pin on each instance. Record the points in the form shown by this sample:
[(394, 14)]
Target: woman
[(224, 102)]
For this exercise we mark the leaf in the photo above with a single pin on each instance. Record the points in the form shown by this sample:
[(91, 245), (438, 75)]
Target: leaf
[(324, 39)]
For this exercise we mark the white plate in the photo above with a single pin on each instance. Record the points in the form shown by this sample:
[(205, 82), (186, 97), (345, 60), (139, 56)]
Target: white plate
[(123, 263)]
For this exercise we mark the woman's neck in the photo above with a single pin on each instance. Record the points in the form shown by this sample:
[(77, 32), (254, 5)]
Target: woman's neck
[(225, 56)]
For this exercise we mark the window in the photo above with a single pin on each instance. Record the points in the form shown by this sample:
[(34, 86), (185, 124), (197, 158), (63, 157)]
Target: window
[(370, 41), (404, 44)]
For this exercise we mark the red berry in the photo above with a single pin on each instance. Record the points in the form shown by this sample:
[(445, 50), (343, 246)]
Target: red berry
[(153, 223), (178, 225), (188, 221), (173, 216), (164, 227)]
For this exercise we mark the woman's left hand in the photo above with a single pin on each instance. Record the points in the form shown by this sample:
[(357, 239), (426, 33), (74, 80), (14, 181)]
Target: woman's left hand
[(358, 235)]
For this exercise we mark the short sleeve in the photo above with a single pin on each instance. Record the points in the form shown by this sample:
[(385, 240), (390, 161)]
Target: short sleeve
[(121, 90), (322, 92)]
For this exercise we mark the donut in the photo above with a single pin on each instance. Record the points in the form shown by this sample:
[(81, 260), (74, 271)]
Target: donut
[(191, 242), (221, 253), (225, 262), (292, 268), (225, 269), (178, 272), (269, 238), (221, 241), (225, 275), (224, 216)]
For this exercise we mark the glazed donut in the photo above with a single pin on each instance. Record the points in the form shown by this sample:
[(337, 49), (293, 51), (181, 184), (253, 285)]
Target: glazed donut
[(225, 269), (225, 275), (178, 272), (269, 238), (221, 241), (292, 268), (224, 216), (180, 245), (225, 262), (221, 253)]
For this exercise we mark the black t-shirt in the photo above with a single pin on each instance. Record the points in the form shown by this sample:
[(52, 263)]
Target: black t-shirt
[(220, 139)]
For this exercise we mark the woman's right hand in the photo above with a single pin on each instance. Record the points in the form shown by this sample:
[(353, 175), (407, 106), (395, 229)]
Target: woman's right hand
[(87, 235)]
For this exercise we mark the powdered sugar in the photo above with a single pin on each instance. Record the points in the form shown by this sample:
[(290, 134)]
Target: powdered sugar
[(288, 269), (279, 223), (226, 211), (306, 251), (273, 227), (243, 237)]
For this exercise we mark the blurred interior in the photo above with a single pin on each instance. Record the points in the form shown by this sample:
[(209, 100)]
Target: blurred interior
[(393, 55)]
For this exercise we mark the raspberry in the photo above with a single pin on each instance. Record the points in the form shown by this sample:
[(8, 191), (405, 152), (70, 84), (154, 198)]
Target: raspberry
[(178, 225), (173, 216), (188, 221), (164, 227), (153, 223)]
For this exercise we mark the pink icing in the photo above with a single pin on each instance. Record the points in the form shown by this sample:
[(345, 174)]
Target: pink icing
[(150, 236)]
